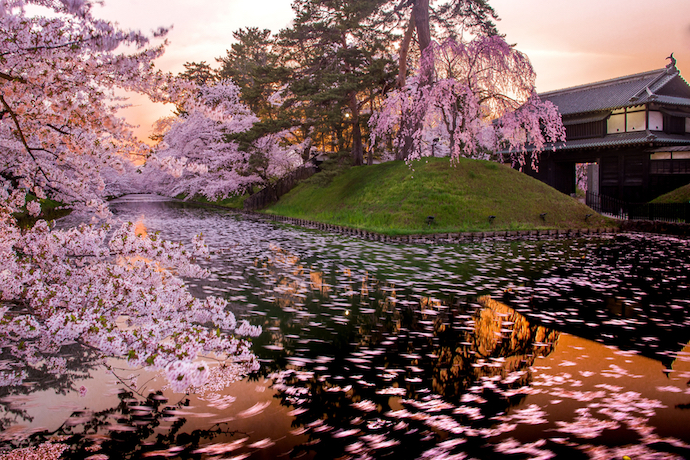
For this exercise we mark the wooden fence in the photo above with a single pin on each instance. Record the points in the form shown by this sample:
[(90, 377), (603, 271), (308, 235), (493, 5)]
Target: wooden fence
[(272, 192)]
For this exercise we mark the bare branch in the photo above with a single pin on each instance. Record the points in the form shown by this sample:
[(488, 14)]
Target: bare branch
[(60, 130)]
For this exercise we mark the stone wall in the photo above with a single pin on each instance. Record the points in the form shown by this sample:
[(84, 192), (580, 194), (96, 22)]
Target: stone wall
[(440, 237), (655, 226)]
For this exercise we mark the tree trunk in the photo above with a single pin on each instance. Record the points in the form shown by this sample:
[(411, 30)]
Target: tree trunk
[(406, 150), (419, 22), (420, 18), (420, 11), (404, 51), (357, 148), (306, 152)]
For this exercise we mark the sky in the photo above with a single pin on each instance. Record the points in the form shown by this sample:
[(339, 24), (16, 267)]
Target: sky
[(569, 42)]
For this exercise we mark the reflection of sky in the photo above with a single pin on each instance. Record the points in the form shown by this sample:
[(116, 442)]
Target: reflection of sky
[(248, 408), (50, 411), (586, 367), (569, 43)]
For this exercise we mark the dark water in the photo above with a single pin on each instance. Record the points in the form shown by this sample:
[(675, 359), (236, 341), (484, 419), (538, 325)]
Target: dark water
[(499, 349)]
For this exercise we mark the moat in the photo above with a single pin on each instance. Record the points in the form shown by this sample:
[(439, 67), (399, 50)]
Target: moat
[(563, 348)]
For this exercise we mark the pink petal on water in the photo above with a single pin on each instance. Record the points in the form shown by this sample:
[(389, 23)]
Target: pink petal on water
[(256, 409)]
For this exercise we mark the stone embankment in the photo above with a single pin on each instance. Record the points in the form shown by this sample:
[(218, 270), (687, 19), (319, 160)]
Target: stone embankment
[(439, 237), (635, 226), (655, 226)]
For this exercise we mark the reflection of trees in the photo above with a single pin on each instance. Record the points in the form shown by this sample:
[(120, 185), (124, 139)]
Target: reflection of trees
[(290, 287), (135, 428), (494, 341), (79, 362), (396, 382)]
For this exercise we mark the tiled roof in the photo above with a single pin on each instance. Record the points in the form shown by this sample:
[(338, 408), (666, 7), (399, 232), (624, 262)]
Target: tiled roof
[(674, 148), (616, 93), (671, 100), (579, 120), (622, 140)]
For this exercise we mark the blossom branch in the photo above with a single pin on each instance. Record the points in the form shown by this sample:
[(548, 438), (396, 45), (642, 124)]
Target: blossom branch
[(21, 135)]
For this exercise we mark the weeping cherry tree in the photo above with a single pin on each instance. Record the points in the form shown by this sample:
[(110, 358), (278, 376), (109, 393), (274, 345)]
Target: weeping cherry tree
[(476, 98)]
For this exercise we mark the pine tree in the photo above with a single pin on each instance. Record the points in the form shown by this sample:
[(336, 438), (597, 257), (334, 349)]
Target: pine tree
[(341, 63)]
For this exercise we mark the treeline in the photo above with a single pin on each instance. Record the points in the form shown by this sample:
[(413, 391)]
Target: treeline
[(323, 77)]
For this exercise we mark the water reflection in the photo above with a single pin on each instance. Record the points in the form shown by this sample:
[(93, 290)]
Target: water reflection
[(632, 292), (137, 428), (406, 378), (15, 400), (373, 350)]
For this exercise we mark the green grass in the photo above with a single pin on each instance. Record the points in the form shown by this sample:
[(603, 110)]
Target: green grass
[(234, 201), (679, 195), (395, 199)]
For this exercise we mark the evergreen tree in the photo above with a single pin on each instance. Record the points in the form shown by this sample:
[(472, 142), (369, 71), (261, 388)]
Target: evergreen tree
[(200, 73), (253, 65), (341, 63)]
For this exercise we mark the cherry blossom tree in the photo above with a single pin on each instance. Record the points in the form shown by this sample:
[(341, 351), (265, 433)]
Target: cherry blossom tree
[(115, 292), (201, 155), (278, 154), (196, 150), (58, 105), (61, 287), (481, 100), (123, 177)]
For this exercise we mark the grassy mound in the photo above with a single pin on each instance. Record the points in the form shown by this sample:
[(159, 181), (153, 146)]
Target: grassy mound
[(395, 199), (679, 195)]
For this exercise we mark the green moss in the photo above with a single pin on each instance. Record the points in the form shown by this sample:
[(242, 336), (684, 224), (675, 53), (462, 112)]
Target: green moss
[(50, 210), (233, 201), (396, 199)]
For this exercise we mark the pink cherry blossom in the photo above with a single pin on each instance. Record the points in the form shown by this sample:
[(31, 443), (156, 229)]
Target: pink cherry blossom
[(481, 101), (107, 288), (200, 159)]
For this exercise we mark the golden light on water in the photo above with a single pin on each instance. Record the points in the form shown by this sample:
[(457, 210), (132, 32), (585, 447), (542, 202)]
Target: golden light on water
[(140, 227)]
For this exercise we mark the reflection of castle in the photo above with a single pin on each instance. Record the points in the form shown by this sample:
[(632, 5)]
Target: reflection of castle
[(374, 368)]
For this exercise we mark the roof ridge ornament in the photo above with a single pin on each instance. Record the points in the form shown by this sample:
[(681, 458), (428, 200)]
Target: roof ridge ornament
[(671, 65)]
